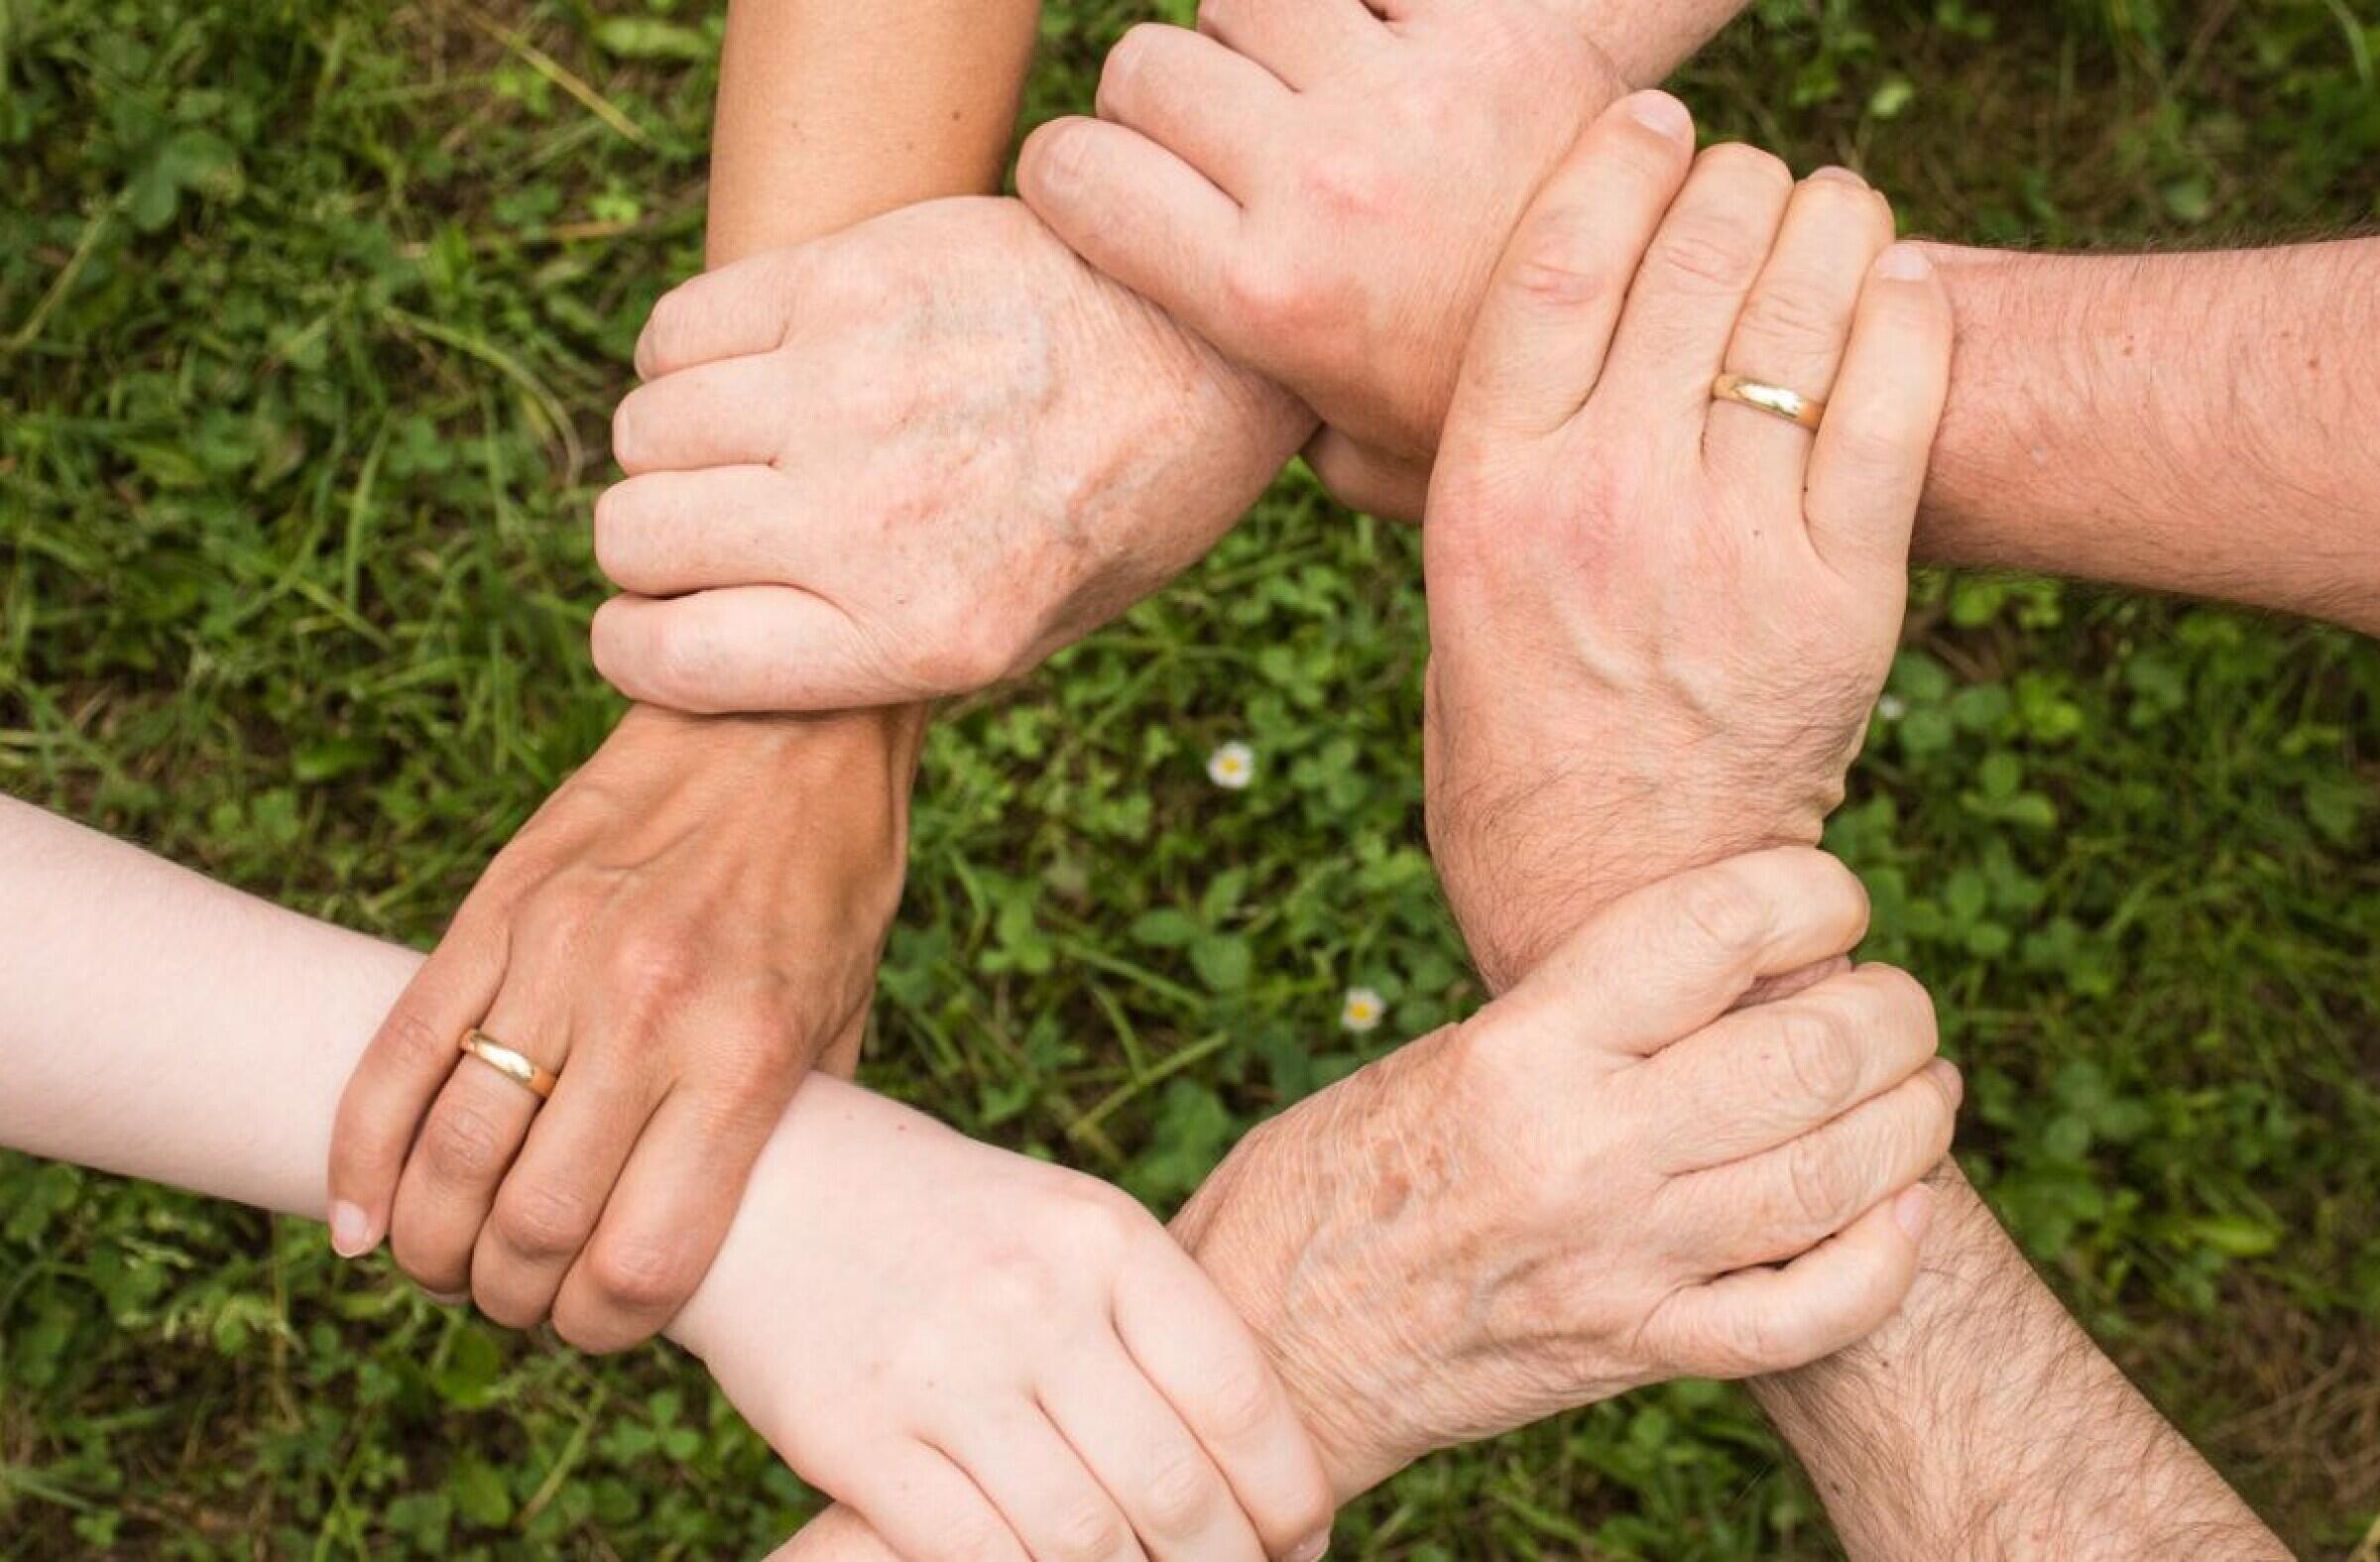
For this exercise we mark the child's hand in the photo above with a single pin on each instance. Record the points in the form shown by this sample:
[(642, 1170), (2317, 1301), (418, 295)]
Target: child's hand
[(989, 1357)]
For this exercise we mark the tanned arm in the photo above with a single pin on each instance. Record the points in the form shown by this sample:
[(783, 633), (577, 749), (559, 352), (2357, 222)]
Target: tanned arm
[(2199, 424)]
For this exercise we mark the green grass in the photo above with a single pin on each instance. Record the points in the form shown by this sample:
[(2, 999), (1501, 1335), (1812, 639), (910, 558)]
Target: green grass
[(311, 316)]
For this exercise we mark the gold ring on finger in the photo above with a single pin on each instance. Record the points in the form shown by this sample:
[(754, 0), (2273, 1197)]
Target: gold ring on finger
[(1775, 399), (513, 1065)]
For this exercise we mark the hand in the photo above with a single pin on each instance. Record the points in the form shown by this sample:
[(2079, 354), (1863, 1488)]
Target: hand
[(1581, 1190), (1322, 193), (1659, 622), (681, 933), (989, 1357), (909, 460)]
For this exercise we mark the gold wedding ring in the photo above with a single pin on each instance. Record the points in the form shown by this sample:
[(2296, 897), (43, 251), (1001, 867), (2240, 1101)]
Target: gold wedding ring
[(1774, 400), (538, 1082)]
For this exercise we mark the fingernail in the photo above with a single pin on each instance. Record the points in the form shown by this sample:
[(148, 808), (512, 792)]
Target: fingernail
[(1953, 1083), (446, 1298), (1904, 263), (350, 1230), (1311, 1548), (1662, 114), (1834, 173), (1913, 1211)]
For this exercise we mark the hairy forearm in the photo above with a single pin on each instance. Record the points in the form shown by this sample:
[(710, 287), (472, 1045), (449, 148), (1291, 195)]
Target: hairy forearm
[(2198, 424), (1983, 1424)]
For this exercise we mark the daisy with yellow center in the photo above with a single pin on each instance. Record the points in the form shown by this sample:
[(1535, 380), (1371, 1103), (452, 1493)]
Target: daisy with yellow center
[(1361, 1011), (1232, 767)]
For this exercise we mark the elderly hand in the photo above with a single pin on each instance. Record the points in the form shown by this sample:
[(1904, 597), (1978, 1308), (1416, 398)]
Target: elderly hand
[(989, 1357), (1659, 620), (681, 933), (1322, 193), (909, 460)]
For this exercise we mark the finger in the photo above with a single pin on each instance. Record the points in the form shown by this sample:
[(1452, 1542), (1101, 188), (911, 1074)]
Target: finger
[(721, 414), (1140, 214), (1149, 1462), (1302, 42), (749, 649), (400, 1074), (1870, 463), (732, 311), (1198, 1353), (1041, 1487), (474, 1130), (1367, 479), (552, 1198), (664, 1222), (1794, 323), (1217, 111), (1770, 1320), (1759, 1077), (667, 534), (1661, 963), (927, 1509), (1774, 1205), (1696, 275), (1539, 343)]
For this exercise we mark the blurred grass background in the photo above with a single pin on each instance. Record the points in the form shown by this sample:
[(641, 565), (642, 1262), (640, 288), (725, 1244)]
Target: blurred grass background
[(310, 317)]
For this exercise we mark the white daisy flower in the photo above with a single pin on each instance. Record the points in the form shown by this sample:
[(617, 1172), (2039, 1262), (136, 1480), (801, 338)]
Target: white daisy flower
[(1361, 1011), (1891, 708), (1232, 767)]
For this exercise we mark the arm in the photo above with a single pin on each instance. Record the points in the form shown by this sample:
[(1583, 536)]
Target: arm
[(1982, 1422), (695, 917), (2183, 422)]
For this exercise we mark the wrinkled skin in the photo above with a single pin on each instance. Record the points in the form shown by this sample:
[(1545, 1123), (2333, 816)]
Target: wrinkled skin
[(909, 460)]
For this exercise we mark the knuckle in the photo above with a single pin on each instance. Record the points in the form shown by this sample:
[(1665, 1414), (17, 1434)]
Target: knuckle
[(465, 1143), (654, 966), (1241, 1401), (415, 1044), (1724, 910), (1812, 1197), (975, 1536), (1090, 1532), (544, 1220), (975, 654), (1794, 313), (1904, 1004), (1268, 292), (1017, 1287), (1346, 181), (1561, 266), (1822, 1056), (1180, 1493), (1706, 253), (639, 1274)]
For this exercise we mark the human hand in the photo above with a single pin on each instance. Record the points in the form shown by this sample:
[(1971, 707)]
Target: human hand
[(990, 1357), (909, 460), (1581, 1188), (686, 928), (1659, 620), (1323, 192)]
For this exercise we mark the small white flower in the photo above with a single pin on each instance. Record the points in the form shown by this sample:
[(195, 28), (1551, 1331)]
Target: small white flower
[(1891, 708), (1232, 767), (1361, 1011)]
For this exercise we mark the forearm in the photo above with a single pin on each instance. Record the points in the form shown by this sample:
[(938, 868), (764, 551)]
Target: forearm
[(2198, 424), (1983, 1424)]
